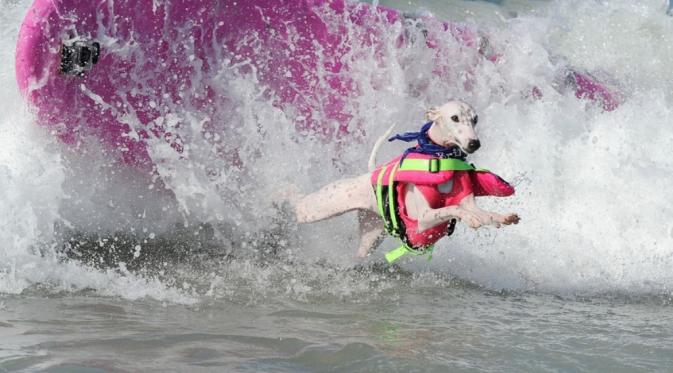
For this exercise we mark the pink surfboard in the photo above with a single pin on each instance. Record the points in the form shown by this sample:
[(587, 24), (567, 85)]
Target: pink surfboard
[(118, 69)]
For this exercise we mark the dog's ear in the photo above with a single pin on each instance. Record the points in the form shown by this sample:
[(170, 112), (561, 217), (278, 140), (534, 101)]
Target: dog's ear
[(432, 114)]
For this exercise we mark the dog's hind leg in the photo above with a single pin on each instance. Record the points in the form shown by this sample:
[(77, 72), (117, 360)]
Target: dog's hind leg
[(335, 199), (371, 232)]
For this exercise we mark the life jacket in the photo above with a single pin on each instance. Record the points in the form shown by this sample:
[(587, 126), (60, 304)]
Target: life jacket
[(427, 173)]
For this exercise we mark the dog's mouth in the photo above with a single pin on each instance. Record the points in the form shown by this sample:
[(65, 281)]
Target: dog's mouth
[(472, 146), (454, 143), (451, 143)]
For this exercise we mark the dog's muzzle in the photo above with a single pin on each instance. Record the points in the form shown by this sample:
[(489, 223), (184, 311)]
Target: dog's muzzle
[(473, 145)]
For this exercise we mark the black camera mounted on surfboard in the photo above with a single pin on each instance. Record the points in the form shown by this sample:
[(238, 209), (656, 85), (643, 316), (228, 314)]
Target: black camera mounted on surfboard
[(79, 56)]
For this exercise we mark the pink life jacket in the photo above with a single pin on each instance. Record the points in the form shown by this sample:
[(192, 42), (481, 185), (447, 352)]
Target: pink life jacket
[(427, 173)]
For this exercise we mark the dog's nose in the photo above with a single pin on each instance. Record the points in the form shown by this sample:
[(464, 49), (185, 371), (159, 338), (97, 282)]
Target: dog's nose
[(473, 145)]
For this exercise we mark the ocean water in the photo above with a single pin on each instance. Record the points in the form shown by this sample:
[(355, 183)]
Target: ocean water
[(101, 273)]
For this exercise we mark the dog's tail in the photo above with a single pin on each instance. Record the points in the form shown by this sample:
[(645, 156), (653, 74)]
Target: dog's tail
[(377, 145)]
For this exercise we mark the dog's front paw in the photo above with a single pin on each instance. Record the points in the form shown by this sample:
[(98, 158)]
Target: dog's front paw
[(499, 220), (511, 219)]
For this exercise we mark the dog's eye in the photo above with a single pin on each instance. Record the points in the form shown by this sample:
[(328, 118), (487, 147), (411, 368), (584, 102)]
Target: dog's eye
[(475, 120), (454, 118)]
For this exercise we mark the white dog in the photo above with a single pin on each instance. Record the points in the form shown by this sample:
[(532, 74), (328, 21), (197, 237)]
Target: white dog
[(423, 206)]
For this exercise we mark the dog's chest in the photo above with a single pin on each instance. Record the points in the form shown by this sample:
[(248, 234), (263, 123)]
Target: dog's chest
[(448, 193), (445, 187)]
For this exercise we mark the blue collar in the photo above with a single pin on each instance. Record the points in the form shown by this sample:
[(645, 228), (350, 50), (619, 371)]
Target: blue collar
[(426, 146)]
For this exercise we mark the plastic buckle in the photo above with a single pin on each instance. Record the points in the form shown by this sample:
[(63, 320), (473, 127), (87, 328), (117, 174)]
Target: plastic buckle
[(433, 165)]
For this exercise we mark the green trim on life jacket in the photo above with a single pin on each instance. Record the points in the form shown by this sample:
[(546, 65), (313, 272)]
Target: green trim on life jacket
[(434, 165), (393, 255), (391, 200)]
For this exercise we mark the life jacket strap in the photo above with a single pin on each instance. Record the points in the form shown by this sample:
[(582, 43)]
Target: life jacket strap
[(386, 203), (379, 198), (394, 255), (434, 165), (392, 203)]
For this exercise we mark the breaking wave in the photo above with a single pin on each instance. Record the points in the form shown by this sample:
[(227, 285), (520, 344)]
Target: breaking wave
[(591, 184)]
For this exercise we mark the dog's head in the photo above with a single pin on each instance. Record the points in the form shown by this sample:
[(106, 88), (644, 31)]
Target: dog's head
[(453, 124)]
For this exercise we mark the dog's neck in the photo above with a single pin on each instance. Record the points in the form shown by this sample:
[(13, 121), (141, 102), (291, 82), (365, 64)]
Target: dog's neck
[(435, 133), (427, 143)]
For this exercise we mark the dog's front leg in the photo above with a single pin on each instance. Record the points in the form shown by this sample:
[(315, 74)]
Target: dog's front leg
[(487, 217), (427, 217), (433, 217)]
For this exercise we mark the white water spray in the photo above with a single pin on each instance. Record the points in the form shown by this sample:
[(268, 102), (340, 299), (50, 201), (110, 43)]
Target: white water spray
[(591, 185)]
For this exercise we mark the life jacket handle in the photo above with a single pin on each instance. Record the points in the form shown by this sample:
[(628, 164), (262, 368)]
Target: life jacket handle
[(434, 165)]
